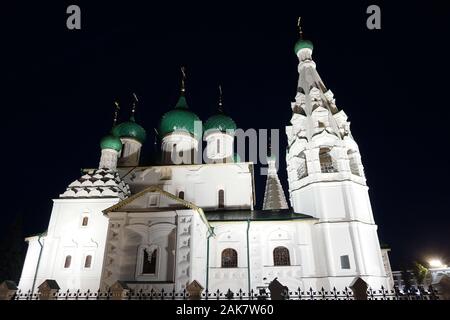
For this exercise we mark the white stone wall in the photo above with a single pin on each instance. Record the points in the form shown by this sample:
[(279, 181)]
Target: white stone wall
[(334, 201), (66, 236), (30, 265), (200, 183), (264, 237), (314, 248)]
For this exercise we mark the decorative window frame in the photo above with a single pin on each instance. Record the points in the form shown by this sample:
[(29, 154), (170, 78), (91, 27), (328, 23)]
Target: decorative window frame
[(152, 196), (140, 263), (221, 257), (219, 146), (281, 237), (179, 190), (288, 253), (84, 260), (72, 261), (224, 197), (85, 214)]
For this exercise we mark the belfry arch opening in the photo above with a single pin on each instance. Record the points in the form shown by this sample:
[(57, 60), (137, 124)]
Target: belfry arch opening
[(302, 170), (327, 164), (353, 161)]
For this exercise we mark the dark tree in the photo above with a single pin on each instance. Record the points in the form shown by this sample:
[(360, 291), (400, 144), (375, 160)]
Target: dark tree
[(12, 251), (406, 277), (420, 272)]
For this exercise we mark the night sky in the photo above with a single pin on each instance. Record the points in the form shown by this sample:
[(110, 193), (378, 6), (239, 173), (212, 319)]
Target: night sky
[(59, 86)]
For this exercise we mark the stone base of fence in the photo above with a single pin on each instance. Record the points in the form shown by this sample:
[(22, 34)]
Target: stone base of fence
[(311, 294)]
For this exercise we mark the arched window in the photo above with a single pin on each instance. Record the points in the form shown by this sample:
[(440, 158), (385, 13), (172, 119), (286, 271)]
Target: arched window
[(229, 258), (67, 262), (221, 199), (123, 152), (174, 154), (149, 261), (88, 261), (281, 256), (302, 170), (85, 221), (181, 195), (321, 124), (354, 167), (326, 161)]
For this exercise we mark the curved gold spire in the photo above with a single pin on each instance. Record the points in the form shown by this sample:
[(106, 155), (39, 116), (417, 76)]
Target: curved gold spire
[(116, 113), (135, 101), (299, 25), (220, 107), (183, 79)]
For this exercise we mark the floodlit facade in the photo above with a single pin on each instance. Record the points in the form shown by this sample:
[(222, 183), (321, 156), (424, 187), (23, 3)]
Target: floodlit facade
[(166, 225)]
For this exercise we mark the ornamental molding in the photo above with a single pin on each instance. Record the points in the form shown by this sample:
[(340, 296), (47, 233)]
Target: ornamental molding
[(150, 189)]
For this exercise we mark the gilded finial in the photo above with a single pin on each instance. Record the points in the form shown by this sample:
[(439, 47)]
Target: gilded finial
[(156, 136), (183, 79), (135, 101), (299, 25), (220, 108), (116, 113)]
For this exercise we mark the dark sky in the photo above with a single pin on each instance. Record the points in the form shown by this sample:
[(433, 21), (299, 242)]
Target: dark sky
[(59, 86)]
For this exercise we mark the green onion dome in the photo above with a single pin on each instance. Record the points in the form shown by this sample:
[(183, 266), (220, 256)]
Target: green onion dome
[(111, 142), (178, 119), (130, 129), (219, 122), (302, 44)]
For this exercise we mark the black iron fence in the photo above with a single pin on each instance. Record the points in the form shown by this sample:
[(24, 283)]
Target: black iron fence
[(262, 294)]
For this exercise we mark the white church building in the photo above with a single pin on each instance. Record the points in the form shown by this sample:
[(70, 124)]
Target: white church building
[(165, 225)]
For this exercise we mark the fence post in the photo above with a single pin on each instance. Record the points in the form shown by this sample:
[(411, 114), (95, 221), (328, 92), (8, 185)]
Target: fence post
[(119, 290), (359, 288), (229, 295), (48, 290), (278, 291), (195, 290), (8, 290), (442, 286)]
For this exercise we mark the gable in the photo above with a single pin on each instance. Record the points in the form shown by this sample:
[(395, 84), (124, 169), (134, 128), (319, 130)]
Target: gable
[(145, 197)]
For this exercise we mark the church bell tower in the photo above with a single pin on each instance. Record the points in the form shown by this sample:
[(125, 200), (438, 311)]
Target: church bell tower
[(327, 181)]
